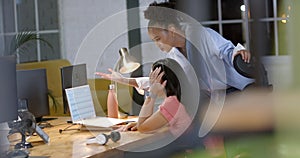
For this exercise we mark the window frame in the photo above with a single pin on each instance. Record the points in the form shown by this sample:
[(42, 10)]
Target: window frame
[(275, 19), (37, 28)]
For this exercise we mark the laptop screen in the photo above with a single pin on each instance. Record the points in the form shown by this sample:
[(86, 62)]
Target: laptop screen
[(80, 103)]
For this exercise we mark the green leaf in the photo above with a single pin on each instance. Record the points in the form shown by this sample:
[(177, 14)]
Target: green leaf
[(54, 101), (22, 38)]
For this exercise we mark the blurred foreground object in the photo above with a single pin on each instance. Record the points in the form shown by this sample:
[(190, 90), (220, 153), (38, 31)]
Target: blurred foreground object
[(26, 126)]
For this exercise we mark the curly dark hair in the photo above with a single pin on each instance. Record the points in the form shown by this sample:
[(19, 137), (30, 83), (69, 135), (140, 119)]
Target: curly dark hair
[(162, 14)]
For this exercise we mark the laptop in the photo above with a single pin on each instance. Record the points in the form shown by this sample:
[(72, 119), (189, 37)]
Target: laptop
[(82, 109), (72, 76)]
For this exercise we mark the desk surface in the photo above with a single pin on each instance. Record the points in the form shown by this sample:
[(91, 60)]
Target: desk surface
[(72, 143), (256, 114)]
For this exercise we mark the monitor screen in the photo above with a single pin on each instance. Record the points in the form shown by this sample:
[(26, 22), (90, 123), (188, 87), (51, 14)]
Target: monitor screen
[(72, 76), (32, 86), (8, 90)]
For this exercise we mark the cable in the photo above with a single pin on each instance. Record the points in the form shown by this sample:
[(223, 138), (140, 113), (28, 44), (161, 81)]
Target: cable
[(67, 128)]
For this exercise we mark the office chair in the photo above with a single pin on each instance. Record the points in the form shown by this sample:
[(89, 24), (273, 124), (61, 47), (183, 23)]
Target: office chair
[(138, 99)]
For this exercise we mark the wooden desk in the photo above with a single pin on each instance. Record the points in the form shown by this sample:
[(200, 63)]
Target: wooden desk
[(71, 143)]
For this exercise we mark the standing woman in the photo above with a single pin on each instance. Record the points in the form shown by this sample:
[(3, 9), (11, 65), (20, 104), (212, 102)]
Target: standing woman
[(208, 52)]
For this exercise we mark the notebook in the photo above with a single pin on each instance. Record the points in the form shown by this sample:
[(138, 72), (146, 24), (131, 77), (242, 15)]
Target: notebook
[(82, 109)]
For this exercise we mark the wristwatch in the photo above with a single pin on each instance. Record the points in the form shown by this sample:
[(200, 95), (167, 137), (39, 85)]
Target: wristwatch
[(149, 94)]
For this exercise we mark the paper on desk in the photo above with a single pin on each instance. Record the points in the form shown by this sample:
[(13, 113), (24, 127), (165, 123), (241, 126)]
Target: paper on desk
[(105, 121)]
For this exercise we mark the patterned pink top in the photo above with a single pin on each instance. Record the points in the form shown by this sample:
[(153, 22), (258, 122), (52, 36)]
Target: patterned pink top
[(175, 113)]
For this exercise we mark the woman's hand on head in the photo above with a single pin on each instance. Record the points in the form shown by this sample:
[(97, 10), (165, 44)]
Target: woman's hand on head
[(155, 76)]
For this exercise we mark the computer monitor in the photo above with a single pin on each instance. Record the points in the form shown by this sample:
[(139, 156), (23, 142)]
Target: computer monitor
[(32, 86), (8, 90), (72, 76)]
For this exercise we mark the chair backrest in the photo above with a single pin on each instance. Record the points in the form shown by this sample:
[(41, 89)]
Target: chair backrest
[(142, 71)]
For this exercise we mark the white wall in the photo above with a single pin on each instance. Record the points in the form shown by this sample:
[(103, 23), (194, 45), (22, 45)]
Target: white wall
[(92, 32)]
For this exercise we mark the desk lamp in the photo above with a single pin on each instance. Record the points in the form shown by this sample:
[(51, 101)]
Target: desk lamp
[(125, 64)]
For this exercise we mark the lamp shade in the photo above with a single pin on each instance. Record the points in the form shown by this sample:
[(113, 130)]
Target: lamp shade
[(127, 63)]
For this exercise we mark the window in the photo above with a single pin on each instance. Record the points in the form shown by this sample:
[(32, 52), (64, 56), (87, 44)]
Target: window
[(38, 16), (231, 21)]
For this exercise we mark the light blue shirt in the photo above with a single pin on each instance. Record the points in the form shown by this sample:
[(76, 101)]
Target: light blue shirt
[(210, 54)]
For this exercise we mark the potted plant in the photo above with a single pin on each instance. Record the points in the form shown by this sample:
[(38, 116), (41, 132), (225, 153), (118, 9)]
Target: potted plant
[(21, 40), (19, 45)]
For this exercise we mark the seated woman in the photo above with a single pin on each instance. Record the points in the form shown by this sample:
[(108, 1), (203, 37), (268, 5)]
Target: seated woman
[(166, 81)]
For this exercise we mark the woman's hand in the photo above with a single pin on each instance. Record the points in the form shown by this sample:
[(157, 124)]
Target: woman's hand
[(129, 127), (246, 56), (155, 76), (114, 76), (158, 89)]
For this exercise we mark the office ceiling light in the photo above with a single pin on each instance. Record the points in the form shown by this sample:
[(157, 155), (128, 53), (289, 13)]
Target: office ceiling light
[(127, 63), (243, 8)]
